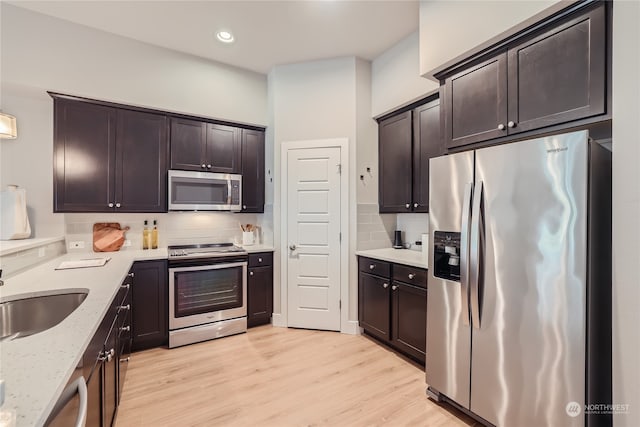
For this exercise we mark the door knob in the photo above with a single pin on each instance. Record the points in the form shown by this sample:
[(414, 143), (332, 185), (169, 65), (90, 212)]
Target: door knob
[(411, 276), (415, 205), (208, 166), (204, 166), (385, 285), (394, 287), (511, 124), (292, 247), (117, 205), (110, 205), (408, 205), (501, 126)]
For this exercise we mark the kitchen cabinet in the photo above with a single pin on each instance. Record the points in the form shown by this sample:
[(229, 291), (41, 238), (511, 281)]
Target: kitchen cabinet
[(108, 159), (392, 305), (407, 140), (103, 360), (206, 147), (553, 75), (260, 289), (252, 171), (150, 310)]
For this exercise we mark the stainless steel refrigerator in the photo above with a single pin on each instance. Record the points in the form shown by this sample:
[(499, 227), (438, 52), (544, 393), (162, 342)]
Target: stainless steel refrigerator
[(519, 284)]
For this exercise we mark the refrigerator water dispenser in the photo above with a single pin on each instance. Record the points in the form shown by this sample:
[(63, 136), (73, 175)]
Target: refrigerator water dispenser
[(446, 255)]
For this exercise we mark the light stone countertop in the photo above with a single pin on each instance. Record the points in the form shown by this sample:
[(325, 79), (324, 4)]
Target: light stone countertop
[(11, 246), (258, 248), (36, 368), (399, 256)]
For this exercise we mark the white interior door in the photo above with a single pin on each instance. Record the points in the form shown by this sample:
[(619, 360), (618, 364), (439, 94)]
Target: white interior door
[(313, 238)]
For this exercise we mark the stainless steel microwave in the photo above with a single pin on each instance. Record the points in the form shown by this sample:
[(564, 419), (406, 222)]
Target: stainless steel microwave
[(204, 191)]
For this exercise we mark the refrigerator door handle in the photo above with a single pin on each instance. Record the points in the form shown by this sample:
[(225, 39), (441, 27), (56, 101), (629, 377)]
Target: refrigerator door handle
[(465, 224), (474, 254)]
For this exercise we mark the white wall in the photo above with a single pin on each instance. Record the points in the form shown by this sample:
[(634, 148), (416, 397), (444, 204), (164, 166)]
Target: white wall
[(396, 77), (317, 100), (626, 210), (40, 53), (450, 28)]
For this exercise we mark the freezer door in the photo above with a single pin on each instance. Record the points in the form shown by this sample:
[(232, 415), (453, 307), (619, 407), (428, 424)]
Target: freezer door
[(448, 338), (528, 359)]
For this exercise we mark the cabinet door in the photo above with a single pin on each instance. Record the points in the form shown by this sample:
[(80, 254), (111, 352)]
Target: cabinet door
[(141, 162), (559, 75), (84, 156), (252, 171), (188, 144), (110, 389), (409, 319), (223, 149), (394, 159), (426, 144), (259, 296), (476, 103), (94, 397), (373, 304), (150, 314)]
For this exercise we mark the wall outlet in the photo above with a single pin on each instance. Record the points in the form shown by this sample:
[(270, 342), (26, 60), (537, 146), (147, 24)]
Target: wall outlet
[(76, 245), (127, 242)]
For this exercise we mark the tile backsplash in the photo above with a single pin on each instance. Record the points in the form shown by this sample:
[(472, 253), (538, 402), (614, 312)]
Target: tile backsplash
[(173, 227), (20, 261), (375, 230), (412, 226)]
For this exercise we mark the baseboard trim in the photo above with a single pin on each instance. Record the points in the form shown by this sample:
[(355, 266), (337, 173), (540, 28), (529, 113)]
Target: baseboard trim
[(278, 320), (352, 327)]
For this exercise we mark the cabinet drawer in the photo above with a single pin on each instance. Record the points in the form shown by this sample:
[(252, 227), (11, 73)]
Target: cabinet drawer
[(412, 275), (261, 259), (374, 266)]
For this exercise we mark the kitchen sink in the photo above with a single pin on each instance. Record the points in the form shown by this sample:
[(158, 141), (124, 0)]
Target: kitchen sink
[(27, 316)]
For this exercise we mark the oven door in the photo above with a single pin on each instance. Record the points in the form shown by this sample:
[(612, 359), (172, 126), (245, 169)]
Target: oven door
[(207, 293)]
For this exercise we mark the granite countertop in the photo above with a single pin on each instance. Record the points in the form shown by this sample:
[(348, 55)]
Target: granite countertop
[(36, 368), (399, 256)]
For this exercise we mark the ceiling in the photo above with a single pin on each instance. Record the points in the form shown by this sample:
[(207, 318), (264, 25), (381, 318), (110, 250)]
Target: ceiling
[(267, 33)]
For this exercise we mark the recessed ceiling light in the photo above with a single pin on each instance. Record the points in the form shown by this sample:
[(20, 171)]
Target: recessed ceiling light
[(225, 36)]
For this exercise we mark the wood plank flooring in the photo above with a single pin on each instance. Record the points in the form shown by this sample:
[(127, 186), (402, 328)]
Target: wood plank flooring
[(279, 377)]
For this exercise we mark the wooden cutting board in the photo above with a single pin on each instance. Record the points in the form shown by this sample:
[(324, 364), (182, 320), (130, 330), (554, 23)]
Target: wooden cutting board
[(108, 236)]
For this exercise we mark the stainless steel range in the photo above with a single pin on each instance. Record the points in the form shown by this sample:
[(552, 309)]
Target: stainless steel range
[(207, 292)]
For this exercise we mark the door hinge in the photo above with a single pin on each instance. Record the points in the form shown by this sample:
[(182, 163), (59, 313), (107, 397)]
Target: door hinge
[(339, 168), (340, 304), (340, 237)]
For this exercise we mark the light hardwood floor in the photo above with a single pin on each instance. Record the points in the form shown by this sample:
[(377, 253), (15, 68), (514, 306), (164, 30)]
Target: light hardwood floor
[(279, 377)]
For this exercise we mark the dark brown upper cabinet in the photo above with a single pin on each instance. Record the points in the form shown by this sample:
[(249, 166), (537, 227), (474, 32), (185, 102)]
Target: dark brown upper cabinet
[(555, 74), (407, 141), (252, 171), (207, 147), (108, 159)]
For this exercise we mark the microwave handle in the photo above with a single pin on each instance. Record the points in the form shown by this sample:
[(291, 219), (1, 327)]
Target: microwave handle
[(229, 192)]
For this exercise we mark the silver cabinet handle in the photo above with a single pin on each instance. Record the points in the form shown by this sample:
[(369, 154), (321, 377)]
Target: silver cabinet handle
[(511, 124), (411, 276), (408, 205), (372, 266), (208, 166), (125, 307), (110, 205), (500, 126), (394, 287), (244, 206), (126, 359), (127, 286), (415, 205), (292, 247), (107, 355), (131, 275), (385, 285), (259, 259), (125, 328), (117, 205), (251, 273), (204, 166)]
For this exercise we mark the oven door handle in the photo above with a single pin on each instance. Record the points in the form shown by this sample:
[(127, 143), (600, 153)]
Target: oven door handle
[(208, 266)]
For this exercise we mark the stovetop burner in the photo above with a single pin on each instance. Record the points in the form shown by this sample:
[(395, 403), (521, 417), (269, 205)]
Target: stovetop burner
[(204, 250)]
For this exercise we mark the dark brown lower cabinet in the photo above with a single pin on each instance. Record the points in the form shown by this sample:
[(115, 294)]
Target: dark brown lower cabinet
[(150, 294), (260, 289), (392, 311), (103, 360)]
